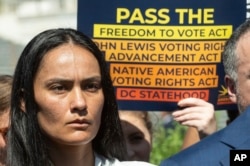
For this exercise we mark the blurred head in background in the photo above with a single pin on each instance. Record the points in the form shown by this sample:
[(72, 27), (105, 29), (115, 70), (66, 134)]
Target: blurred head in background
[(137, 130), (5, 92)]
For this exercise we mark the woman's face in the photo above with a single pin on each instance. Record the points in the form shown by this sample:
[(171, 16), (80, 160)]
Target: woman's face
[(69, 94), (137, 136)]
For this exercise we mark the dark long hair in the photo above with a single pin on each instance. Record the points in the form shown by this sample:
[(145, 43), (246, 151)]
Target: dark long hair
[(26, 143)]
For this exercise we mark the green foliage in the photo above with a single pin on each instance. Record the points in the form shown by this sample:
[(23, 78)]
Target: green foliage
[(166, 142)]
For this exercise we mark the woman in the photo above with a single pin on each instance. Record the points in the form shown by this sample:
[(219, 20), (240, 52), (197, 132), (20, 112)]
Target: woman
[(64, 110), (137, 130)]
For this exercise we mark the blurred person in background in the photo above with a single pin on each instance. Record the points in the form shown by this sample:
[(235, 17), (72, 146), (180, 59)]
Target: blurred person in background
[(5, 93), (215, 149), (137, 131), (137, 126)]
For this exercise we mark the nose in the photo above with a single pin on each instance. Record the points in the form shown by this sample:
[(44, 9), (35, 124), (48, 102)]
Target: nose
[(78, 100), (130, 151)]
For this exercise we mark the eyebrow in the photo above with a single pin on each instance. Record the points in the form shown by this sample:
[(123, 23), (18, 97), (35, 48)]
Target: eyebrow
[(94, 78)]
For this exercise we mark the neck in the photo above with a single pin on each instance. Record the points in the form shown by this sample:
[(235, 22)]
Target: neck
[(72, 155)]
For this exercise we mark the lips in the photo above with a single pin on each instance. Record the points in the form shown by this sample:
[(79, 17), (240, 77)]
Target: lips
[(79, 123)]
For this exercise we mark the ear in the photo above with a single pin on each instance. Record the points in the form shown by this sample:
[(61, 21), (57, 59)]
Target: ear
[(231, 88)]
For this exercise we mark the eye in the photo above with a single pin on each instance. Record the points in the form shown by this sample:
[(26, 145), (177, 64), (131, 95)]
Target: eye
[(58, 88), (93, 86)]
